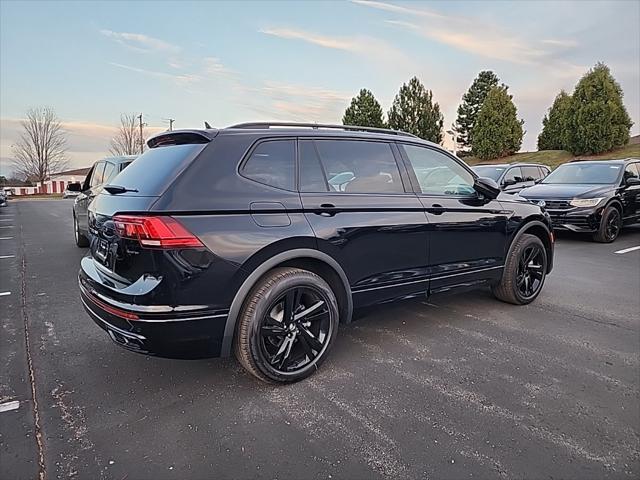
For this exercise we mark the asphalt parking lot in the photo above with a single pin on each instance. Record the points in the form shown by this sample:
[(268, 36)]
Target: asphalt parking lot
[(450, 387)]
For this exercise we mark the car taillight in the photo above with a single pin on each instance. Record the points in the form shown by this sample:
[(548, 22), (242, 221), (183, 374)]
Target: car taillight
[(155, 232)]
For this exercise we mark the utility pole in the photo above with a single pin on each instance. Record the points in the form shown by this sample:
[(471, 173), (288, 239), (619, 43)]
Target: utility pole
[(142, 125), (171, 120)]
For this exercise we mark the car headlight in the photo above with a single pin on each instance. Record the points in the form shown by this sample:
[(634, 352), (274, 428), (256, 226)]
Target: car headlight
[(585, 202)]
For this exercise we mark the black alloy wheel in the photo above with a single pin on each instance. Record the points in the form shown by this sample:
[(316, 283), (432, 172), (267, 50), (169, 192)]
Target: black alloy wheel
[(530, 270)]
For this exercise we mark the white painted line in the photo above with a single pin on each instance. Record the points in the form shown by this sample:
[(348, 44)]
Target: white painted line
[(6, 256), (6, 226), (627, 250), (5, 220), (6, 238), (4, 294), (8, 406)]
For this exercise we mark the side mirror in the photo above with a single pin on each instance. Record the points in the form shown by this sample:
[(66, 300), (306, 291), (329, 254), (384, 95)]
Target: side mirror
[(509, 181), (487, 187), (632, 181), (74, 187)]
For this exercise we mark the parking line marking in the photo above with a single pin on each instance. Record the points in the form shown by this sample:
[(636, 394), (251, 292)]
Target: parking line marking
[(8, 406), (5, 220), (6, 256), (6, 226), (4, 294), (6, 238), (627, 250)]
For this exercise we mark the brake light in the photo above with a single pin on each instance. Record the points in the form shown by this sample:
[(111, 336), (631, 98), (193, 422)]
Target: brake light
[(155, 232)]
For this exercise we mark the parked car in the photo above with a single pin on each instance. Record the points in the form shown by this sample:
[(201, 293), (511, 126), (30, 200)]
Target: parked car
[(515, 176), (597, 197), (73, 192), (100, 174), (236, 240), (3, 199)]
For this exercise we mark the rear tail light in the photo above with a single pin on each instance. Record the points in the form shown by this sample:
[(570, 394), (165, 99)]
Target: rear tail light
[(155, 232)]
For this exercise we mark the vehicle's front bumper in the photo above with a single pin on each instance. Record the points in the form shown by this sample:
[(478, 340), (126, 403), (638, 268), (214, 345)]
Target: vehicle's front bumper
[(577, 219), (193, 336)]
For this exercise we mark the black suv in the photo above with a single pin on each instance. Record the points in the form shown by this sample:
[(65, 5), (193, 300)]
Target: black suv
[(596, 197), (261, 240), (100, 175), (513, 177)]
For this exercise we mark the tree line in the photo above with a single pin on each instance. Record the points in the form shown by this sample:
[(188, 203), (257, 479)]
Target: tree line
[(591, 120)]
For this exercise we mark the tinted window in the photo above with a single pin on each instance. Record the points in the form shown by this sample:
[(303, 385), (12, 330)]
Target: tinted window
[(312, 178), (109, 171), (584, 173), (514, 174), (530, 174), (156, 168), (350, 166), (489, 171), (272, 163), (124, 165), (631, 171), (439, 174), (96, 177)]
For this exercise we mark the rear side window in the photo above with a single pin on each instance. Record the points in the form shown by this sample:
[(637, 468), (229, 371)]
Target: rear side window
[(273, 163), (349, 166), (156, 168), (109, 171)]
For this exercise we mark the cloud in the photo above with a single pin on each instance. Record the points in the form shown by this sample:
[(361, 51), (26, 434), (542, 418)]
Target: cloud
[(180, 79), (141, 42), (371, 48)]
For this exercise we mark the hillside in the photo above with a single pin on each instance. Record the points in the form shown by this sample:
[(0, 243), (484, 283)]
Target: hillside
[(553, 158)]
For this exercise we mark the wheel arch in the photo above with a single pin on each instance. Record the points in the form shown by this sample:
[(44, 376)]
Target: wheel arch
[(306, 258), (540, 230), (615, 202)]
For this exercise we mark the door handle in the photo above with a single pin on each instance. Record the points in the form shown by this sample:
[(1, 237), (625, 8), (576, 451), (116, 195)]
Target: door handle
[(326, 210), (437, 209)]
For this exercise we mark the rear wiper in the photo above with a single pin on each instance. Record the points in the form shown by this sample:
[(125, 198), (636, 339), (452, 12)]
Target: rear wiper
[(115, 189)]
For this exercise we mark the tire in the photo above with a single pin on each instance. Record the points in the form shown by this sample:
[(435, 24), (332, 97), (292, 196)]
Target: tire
[(522, 280), (610, 226), (81, 240), (277, 352)]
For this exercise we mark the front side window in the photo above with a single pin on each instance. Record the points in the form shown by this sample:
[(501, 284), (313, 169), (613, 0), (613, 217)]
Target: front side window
[(96, 177), (109, 170), (349, 166), (272, 163), (631, 171), (489, 171), (513, 175), (439, 174), (530, 174)]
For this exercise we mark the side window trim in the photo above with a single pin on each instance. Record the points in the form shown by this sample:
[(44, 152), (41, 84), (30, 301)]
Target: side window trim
[(247, 155), (412, 175), (395, 151)]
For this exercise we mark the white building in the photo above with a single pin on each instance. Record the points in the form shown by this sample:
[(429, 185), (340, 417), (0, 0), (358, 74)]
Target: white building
[(55, 184)]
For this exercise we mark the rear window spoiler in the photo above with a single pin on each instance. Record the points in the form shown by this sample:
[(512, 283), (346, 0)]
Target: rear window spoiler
[(181, 137)]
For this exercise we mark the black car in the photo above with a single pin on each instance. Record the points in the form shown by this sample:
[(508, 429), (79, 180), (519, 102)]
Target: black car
[(597, 197), (513, 177), (100, 174), (260, 240)]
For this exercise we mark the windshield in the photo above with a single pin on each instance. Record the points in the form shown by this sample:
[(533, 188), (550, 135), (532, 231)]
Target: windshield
[(489, 171), (584, 173)]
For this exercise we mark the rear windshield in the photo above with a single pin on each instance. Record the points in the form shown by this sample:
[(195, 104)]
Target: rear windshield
[(152, 172), (584, 173)]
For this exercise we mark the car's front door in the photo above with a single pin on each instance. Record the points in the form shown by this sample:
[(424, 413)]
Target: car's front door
[(357, 197), (467, 232), (631, 193)]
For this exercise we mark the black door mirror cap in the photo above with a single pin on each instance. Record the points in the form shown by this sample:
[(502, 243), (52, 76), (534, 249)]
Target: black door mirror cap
[(487, 187)]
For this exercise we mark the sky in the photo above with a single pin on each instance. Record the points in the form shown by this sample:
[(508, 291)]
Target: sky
[(230, 62)]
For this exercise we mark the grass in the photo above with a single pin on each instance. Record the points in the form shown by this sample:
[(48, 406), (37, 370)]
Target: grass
[(553, 158)]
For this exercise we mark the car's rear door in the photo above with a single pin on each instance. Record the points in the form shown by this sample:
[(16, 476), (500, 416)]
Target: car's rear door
[(357, 197), (467, 232)]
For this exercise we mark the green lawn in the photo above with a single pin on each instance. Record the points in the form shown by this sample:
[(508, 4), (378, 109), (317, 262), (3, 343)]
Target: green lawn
[(553, 158)]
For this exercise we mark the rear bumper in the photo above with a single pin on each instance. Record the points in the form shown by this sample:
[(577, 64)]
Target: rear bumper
[(194, 336)]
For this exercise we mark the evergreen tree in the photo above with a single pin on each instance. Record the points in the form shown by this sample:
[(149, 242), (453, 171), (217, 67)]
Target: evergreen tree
[(413, 111), (470, 107), (599, 122), (364, 111), (497, 131), (555, 125)]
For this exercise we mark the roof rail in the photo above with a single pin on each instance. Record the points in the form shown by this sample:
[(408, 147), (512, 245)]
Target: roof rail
[(315, 126)]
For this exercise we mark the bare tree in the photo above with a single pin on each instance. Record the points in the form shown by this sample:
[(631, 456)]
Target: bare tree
[(41, 149), (127, 141)]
